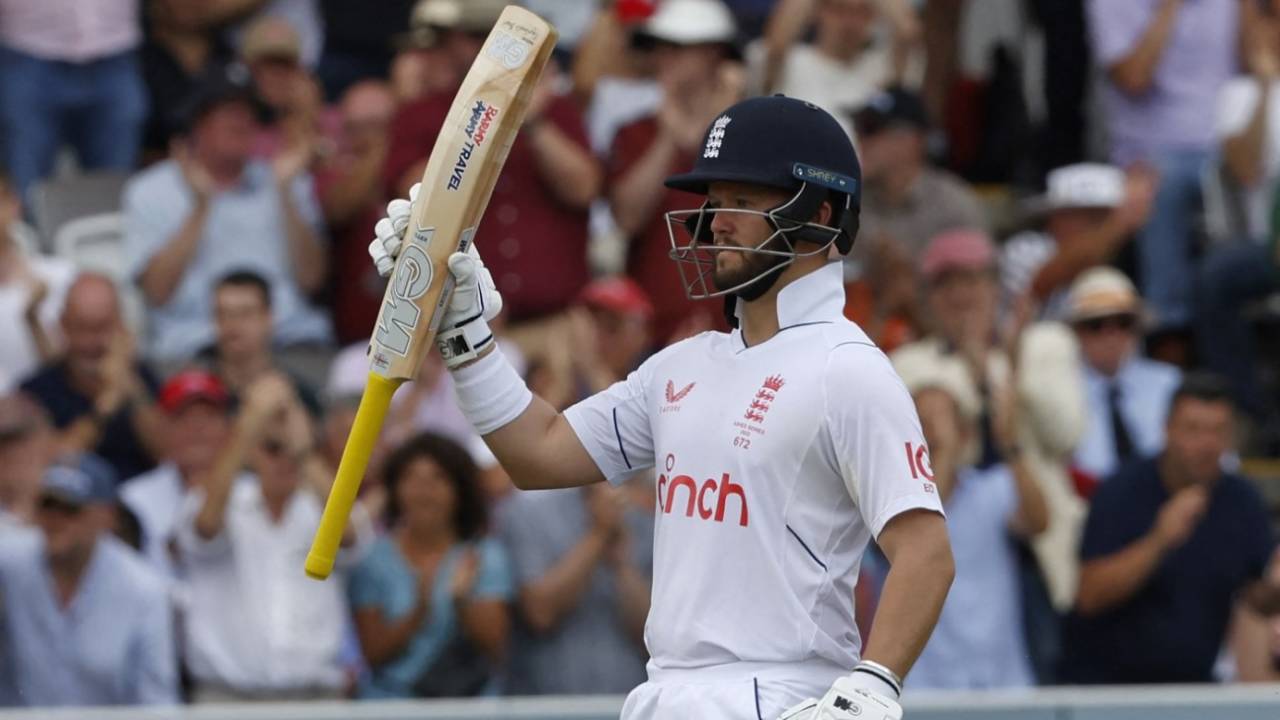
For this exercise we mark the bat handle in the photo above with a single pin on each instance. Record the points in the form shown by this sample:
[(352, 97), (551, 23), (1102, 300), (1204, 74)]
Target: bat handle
[(355, 460)]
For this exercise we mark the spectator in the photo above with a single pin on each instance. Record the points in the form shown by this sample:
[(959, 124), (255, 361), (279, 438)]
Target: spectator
[(358, 41), (582, 559), (431, 598), (304, 16), (257, 628), (349, 186), (182, 50), (242, 351), (88, 623), (27, 447), (60, 83), (32, 290), (99, 393), (1247, 127), (1170, 545), (537, 220), (979, 642), (906, 201), (693, 50), (211, 209), (291, 96), (847, 62), (1128, 395), (612, 331), (435, 54), (1164, 62), (1089, 212), (198, 425), (961, 289)]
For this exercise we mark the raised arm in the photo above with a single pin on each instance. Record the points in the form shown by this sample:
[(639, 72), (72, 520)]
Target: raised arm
[(162, 274), (307, 256), (1109, 580), (1135, 72)]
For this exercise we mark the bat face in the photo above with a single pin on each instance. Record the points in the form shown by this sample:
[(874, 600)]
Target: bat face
[(459, 178)]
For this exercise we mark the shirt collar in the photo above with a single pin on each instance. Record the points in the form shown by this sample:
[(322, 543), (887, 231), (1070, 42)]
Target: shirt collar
[(815, 297)]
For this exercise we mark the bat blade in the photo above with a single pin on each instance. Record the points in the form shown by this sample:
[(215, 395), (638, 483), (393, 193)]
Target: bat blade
[(463, 167)]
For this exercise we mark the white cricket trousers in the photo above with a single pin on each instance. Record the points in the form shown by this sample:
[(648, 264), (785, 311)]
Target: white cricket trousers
[(735, 691)]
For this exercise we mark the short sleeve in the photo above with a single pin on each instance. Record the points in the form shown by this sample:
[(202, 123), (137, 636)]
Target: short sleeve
[(613, 425), (365, 586), (1116, 27), (493, 581), (878, 441), (149, 221), (1236, 104)]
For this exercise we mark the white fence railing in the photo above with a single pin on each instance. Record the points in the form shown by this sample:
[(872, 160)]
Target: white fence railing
[(1238, 702)]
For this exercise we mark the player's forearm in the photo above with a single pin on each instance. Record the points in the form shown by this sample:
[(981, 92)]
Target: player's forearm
[(1108, 581), (920, 574), (640, 190), (160, 278), (1243, 152), (540, 450), (571, 173), (545, 601), (1135, 72), (309, 260)]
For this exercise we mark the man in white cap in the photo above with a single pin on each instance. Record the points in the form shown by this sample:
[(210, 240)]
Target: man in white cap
[(1127, 394), (693, 45), (1090, 211)]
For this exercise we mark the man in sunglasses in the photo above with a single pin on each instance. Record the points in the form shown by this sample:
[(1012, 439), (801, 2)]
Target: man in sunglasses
[(1127, 394), (87, 622)]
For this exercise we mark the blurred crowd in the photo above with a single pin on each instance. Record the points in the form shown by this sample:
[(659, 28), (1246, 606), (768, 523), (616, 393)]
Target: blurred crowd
[(1068, 248)]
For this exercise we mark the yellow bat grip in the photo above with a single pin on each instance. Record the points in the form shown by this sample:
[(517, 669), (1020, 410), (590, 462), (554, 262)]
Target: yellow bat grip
[(355, 460)]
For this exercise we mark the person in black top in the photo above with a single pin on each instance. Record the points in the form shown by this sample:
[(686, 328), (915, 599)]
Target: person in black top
[(99, 395), (1171, 544)]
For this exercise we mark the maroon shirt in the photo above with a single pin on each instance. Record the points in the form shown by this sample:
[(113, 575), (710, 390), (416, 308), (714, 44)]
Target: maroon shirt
[(648, 257), (535, 246)]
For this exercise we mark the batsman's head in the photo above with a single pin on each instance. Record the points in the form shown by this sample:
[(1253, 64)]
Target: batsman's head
[(782, 183)]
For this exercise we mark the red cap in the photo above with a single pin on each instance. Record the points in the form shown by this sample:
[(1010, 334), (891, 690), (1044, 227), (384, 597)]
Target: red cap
[(617, 294), (957, 250), (190, 385)]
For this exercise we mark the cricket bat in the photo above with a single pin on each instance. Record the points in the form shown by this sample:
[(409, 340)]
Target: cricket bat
[(464, 165)]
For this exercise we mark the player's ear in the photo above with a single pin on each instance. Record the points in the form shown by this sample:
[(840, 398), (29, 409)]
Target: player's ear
[(825, 211)]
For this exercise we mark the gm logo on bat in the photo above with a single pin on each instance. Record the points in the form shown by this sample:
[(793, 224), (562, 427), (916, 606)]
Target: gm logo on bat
[(400, 313), (508, 50)]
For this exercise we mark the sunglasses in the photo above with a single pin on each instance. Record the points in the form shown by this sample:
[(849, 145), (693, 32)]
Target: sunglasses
[(1113, 322)]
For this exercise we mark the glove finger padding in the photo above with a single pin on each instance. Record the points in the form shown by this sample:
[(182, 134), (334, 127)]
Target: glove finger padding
[(474, 292), (389, 232)]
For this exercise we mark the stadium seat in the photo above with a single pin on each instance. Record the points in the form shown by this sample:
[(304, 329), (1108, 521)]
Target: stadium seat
[(94, 243), (58, 201)]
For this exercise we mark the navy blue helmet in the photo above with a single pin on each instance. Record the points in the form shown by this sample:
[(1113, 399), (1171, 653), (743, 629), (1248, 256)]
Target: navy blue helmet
[(777, 142)]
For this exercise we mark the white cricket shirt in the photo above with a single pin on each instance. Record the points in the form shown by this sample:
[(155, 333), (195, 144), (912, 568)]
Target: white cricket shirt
[(776, 465)]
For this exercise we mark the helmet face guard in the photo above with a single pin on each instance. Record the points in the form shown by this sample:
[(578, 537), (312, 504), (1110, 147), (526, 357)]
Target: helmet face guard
[(694, 250)]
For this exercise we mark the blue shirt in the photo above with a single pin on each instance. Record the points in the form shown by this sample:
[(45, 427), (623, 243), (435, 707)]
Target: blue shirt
[(978, 642), (112, 645), (384, 580), (1146, 387), (1172, 628), (245, 230)]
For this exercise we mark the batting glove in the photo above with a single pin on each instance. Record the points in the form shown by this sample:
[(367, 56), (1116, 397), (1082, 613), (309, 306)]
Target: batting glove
[(464, 326), (859, 696)]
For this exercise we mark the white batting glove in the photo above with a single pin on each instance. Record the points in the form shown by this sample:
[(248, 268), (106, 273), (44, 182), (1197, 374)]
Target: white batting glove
[(464, 327), (853, 697)]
